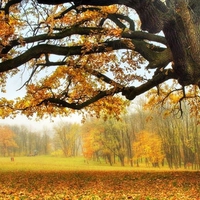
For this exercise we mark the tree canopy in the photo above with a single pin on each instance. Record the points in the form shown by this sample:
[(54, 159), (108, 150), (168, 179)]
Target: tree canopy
[(96, 55)]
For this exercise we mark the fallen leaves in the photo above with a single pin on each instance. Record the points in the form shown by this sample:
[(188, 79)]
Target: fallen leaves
[(99, 185)]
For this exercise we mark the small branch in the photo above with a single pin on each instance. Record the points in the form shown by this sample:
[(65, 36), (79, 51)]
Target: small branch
[(29, 79)]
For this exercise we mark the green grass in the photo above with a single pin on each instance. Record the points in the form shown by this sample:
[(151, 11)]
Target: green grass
[(49, 163), (41, 163)]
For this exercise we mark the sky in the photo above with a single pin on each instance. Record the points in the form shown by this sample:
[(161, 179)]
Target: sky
[(41, 125)]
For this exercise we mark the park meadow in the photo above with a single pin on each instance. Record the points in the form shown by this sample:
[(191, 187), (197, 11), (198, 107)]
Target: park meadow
[(47, 177)]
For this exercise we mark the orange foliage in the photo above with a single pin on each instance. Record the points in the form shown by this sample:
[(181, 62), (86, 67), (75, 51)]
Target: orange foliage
[(91, 140), (79, 78), (148, 146), (75, 85), (9, 26), (6, 139), (82, 75), (99, 185), (88, 150), (174, 100)]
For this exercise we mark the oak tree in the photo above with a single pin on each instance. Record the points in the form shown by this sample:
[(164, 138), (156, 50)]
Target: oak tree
[(89, 54)]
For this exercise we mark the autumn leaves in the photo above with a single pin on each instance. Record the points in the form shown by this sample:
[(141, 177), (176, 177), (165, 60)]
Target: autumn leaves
[(99, 185)]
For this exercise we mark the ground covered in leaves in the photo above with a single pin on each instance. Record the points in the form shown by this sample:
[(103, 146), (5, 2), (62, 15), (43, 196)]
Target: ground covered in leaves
[(100, 185)]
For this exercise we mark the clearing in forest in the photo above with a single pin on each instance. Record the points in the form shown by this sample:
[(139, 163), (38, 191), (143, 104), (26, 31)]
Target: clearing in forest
[(27, 178)]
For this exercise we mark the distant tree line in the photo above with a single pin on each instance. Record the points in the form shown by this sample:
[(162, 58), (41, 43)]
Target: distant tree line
[(145, 137), (23, 141), (142, 137)]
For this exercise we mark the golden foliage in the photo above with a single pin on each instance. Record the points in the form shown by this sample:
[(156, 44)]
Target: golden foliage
[(9, 26), (149, 146), (174, 100), (99, 184), (6, 139), (79, 78)]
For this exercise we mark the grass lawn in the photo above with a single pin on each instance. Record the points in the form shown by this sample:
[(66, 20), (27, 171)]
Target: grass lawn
[(72, 178)]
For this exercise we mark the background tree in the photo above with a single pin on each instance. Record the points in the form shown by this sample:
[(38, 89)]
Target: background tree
[(82, 54), (68, 138), (104, 139), (45, 143), (30, 143), (148, 146), (178, 129), (21, 138), (113, 140), (92, 130), (7, 142)]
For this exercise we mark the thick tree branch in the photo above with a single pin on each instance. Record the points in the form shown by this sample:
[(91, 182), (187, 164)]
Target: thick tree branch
[(81, 31), (56, 36), (129, 92), (180, 28), (37, 51), (76, 106), (151, 12), (146, 36), (87, 2)]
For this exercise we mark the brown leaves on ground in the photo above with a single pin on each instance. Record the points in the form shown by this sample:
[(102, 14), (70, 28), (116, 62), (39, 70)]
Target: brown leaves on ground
[(100, 185)]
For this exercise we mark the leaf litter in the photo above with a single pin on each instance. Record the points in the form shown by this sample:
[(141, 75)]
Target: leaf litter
[(116, 185)]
